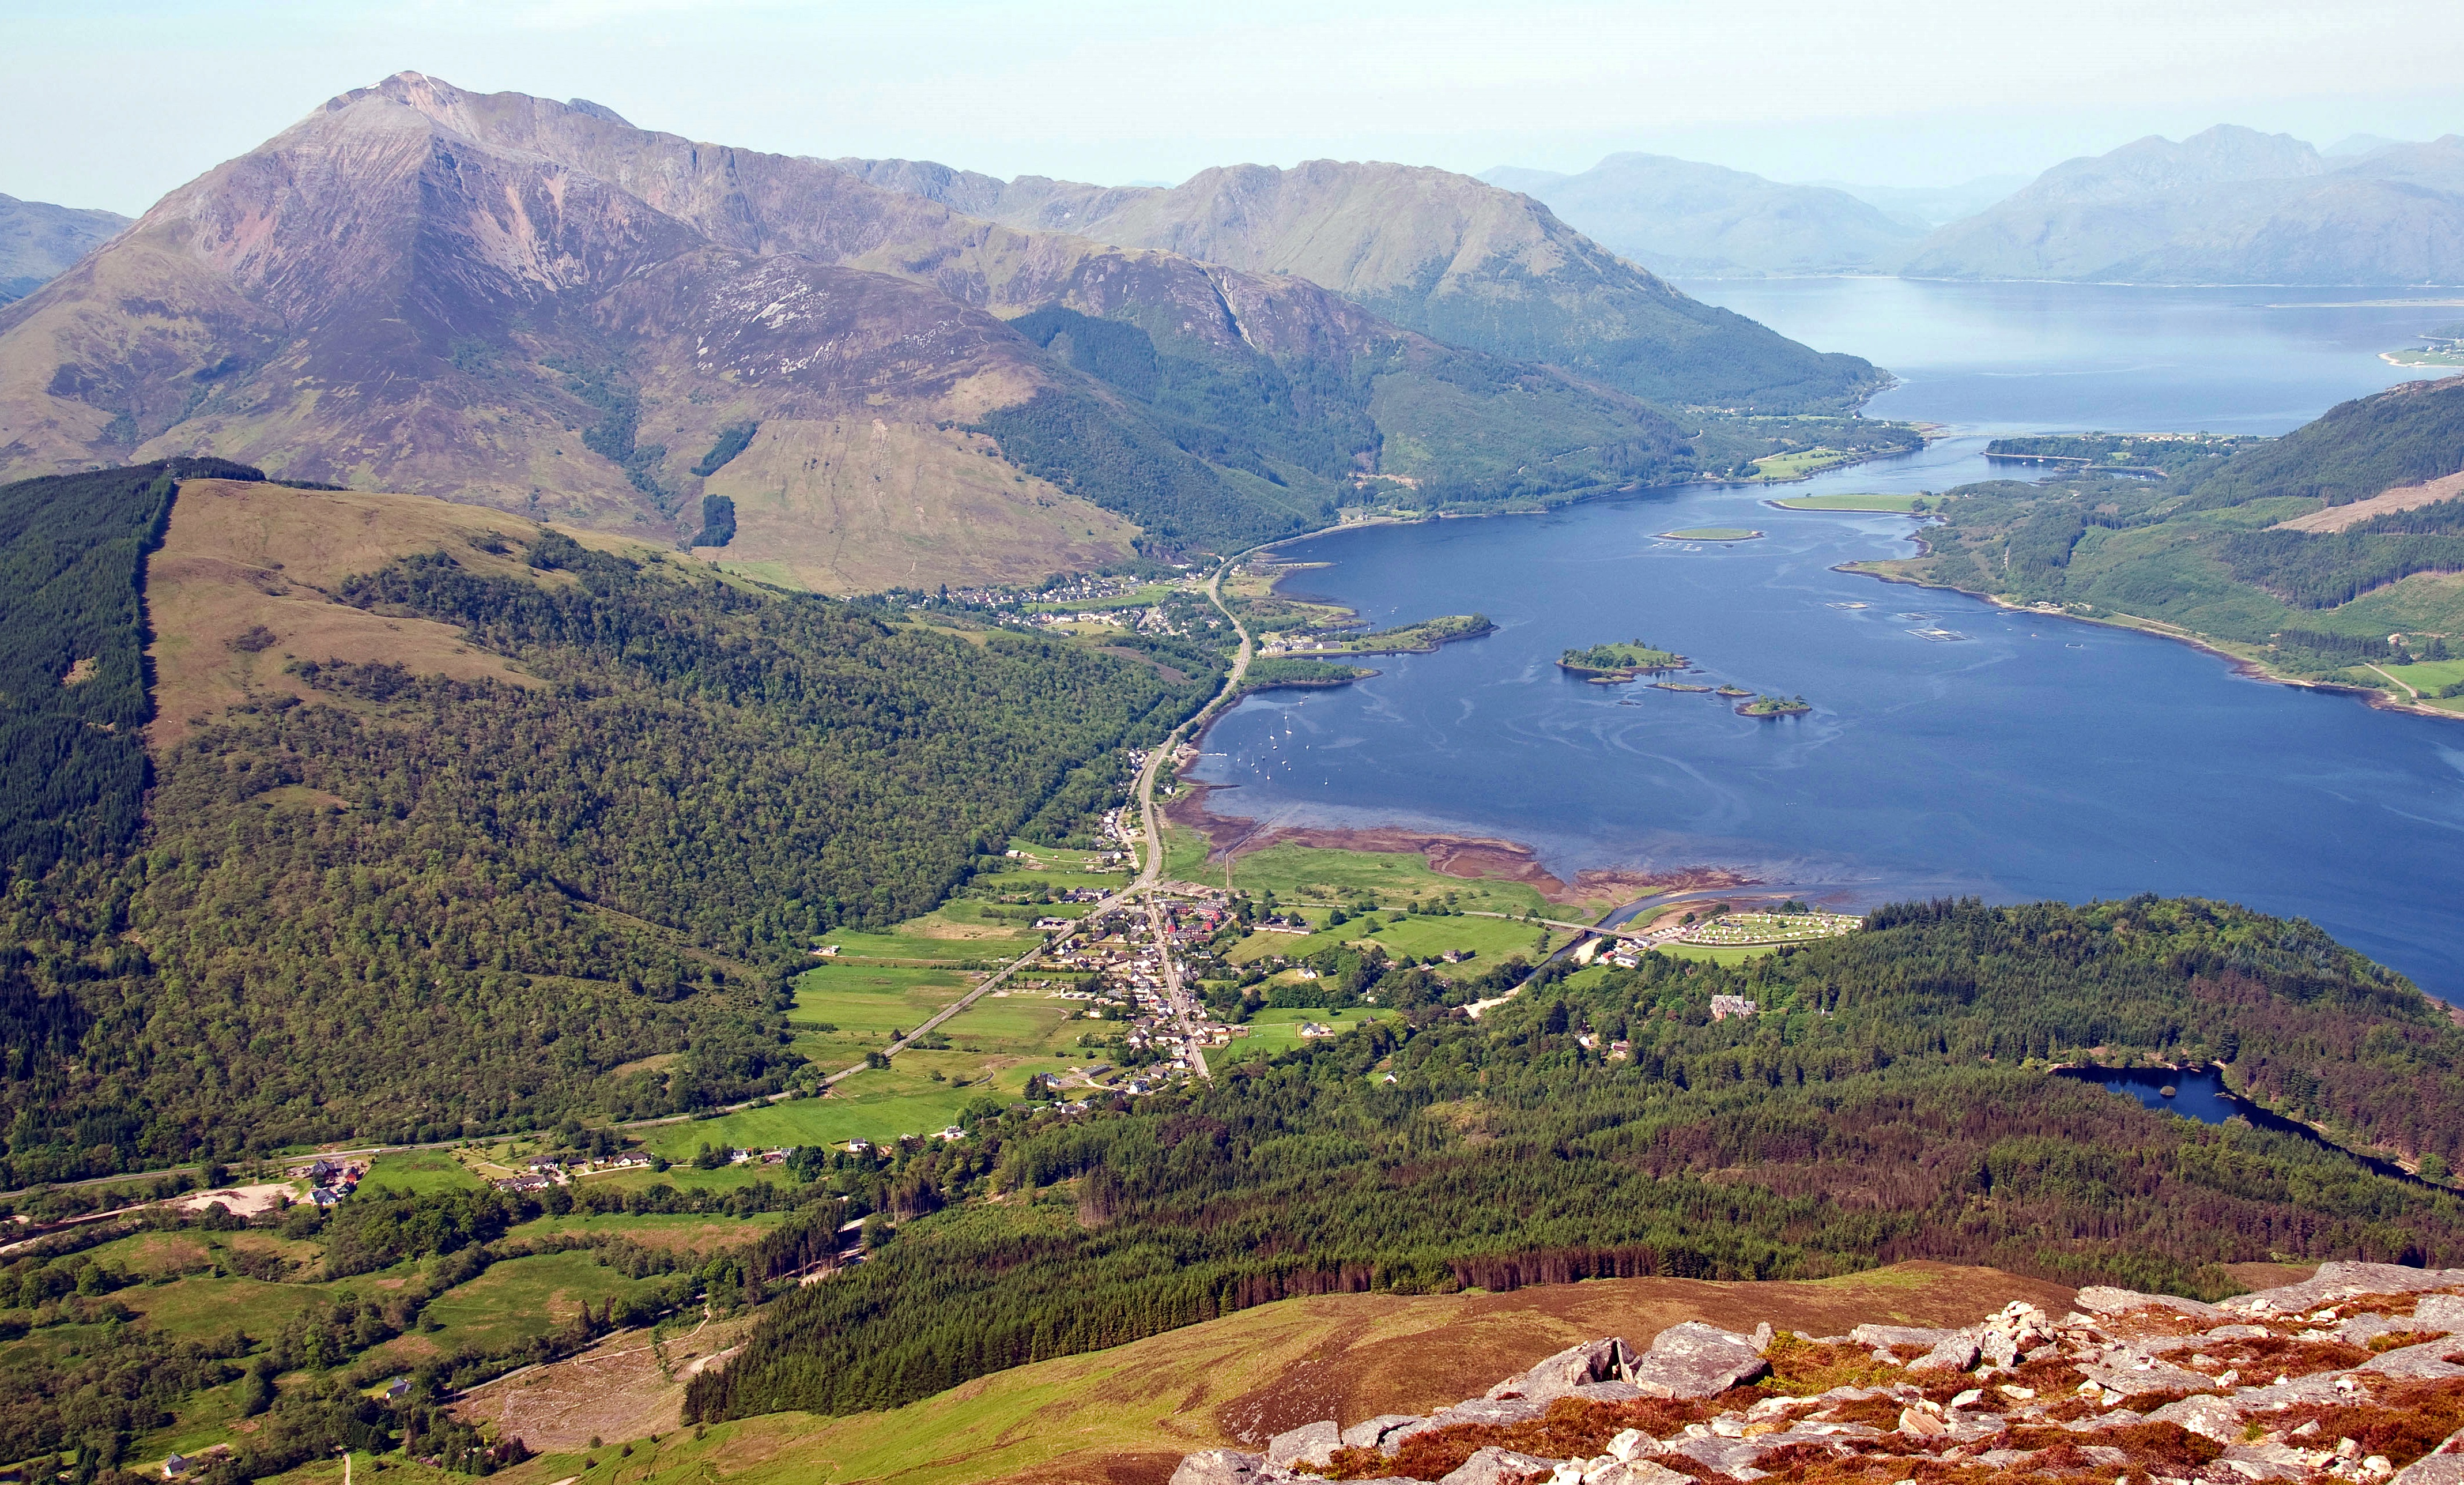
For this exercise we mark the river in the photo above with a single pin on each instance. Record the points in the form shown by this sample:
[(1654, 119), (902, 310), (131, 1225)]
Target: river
[(2026, 758)]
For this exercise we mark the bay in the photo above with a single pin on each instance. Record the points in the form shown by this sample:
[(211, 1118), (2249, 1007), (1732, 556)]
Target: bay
[(2026, 758)]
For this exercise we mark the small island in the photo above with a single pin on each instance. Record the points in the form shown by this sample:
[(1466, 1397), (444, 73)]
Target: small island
[(1677, 685), (1775, 706), (1734, 690), (1711, 534), (1614, 664)]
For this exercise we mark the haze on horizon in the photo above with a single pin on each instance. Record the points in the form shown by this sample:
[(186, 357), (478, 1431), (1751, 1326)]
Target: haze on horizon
[(113, 102)]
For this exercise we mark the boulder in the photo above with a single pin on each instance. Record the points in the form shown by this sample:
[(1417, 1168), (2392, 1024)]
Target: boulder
[(1635, 1471), (2105, 1299), (1311, 1443), (1918, 1424), (1693, 1360), (2146, 1377), (2427, 1359), (1371, 1432), (2439, 1312), (1954, 1352), (1555, 1376), (2343, 1280), (1900, 1338), (2209, 1417), (2441, 1465), (1495, 1466), (1498, 1411), (1608, 1391), (1998, 1348), (1219, 1467)]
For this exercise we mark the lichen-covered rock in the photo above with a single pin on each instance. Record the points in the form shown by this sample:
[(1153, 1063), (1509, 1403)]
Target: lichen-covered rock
[(2208, 1416), (1497, 1410), (1311, 1443), (1900, 1338), (1495, 1466), (2105, 1299), (1635, 1471), (2339, 1280), (2439, 1312), (1693, 1360), (1370, 1433), (1219, 1467), (2151, 1376), (1555, 1376), (1954, 1352), (2441, 1465), (2427, 1359)]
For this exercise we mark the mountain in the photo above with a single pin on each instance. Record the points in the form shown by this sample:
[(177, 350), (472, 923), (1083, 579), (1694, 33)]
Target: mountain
[(2228, 205), (38, 240), (1446, 254), (538, 306), (1680, 217), (1929, 206)]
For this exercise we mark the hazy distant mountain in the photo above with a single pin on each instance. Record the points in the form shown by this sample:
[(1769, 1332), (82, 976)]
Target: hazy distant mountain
[(1687, 219), (1929, 206), (1446, 254), (38, 240), (2228, 205), (536, 305), (2358, 145)]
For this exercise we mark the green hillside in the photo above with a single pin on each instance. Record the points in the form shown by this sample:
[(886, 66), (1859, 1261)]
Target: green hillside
[(2265, 549), (507, 893)]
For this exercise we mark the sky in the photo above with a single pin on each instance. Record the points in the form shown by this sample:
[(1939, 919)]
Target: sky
[(112, 103)]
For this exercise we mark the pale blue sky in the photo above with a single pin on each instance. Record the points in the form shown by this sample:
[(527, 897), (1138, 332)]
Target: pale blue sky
[(111, 102)]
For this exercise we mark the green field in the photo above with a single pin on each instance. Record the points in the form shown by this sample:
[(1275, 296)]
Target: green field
[(419, 1171), (1800, 463), (1280, 1030), (514, 1300), (1887, 504), (1311, 874), (1493, 939), (2429, 678), (996, 1045), (700, 1233), (1711, 534), (865, 1003), (1146, 597)]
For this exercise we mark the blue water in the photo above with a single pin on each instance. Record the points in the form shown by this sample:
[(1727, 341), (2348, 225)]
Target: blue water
[(2030, 757), (2198, 1093)]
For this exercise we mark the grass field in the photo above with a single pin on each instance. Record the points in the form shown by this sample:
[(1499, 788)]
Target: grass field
[(1711, 534), (1800, 463), (1280, 1030), (513, 1301), (1317, 875), (1146, 597), (865, 1003), (1899, 504), (421, 1171), (1492, 939), (2429, 678), (678, 1231), (996, 1045)]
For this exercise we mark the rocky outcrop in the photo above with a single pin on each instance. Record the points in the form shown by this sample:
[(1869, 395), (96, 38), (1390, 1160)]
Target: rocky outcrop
[(2320, 1380)]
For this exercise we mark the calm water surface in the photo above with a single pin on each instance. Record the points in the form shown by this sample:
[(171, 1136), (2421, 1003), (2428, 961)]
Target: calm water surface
[(2026, 758)]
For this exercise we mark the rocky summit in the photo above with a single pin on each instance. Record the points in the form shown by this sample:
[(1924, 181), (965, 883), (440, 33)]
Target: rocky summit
[(2355, 1374)]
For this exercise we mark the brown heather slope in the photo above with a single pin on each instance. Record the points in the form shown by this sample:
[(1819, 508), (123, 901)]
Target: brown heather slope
[(1126, 1417), (243, 585)]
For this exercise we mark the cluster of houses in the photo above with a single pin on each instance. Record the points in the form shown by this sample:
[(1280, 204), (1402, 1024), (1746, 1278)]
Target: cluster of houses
[(546, 1170), (1722, 1007), (329, 1180)]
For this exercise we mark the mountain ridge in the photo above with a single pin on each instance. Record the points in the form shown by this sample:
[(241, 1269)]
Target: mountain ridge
[(1442, 254)]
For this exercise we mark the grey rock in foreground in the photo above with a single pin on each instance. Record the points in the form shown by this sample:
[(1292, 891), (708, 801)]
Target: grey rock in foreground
[(1694, 1360)]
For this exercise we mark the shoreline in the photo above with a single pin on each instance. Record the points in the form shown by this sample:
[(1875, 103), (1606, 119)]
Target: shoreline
[(1469, 858), (2242, 665)]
